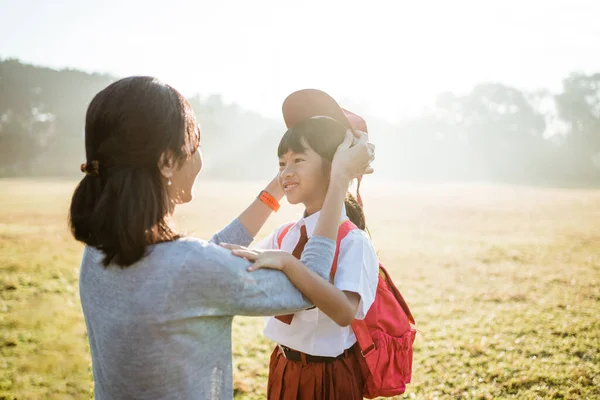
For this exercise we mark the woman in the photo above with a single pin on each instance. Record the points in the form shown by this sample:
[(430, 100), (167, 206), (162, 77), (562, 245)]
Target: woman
[(158, 307)]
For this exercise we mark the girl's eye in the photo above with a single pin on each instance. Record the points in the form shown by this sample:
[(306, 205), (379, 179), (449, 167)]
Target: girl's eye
[(281, 164), (297, 160)]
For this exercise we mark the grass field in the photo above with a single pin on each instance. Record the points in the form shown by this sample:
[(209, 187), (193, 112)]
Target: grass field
[(504, 283)]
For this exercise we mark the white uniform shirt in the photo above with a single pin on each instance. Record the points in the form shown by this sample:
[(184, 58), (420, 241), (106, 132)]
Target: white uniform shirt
[(311, 331)]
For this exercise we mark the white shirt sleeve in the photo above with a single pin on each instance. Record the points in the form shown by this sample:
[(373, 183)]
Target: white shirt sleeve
[(358, 269)]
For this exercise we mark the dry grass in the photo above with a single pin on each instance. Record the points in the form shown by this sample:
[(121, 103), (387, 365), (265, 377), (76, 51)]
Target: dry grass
[(504, 282)]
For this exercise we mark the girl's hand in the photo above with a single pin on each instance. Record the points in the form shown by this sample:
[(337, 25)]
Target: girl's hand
[(351, 161), (272, 259), (275, 189)]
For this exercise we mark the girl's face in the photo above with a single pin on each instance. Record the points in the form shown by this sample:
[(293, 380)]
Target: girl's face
[(305, 178)]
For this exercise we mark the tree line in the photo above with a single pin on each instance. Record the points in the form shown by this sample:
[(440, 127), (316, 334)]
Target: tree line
[(493, 133)]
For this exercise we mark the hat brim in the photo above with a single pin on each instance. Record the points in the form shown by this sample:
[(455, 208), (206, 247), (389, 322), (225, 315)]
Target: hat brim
[(308, 103)]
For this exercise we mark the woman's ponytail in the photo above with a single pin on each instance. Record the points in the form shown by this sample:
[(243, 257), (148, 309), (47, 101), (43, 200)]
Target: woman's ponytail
[(122, 216), (83, 203)]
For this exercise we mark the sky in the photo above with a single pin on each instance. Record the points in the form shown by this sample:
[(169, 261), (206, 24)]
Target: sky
[(384, 58)]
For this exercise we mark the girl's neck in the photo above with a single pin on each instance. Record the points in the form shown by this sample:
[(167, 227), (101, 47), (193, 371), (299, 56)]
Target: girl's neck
[(313, 207)]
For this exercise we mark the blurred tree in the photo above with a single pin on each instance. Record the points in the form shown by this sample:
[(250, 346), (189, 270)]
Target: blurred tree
[(579, 106), (42, 116), (503, 134), (494, 132)]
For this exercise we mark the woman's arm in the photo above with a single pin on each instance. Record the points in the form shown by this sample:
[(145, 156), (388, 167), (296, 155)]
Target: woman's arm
[(338, 305), (241, 231), (215, 282), (254, 217)]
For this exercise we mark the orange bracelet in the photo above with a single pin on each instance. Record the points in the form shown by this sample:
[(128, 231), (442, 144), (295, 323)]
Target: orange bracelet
[(269, 200)]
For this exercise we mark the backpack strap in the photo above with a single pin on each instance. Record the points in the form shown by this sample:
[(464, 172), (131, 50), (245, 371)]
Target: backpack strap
[(363, 336), (282, 234), (345, 227)]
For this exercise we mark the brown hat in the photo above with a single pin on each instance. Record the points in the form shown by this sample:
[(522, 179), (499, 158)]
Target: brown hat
[(308, 103)]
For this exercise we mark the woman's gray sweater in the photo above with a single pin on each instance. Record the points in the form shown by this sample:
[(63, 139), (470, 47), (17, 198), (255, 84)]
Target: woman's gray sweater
[(161, 328)]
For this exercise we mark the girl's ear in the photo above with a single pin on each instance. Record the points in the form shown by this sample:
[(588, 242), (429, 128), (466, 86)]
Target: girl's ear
[(166, 165)]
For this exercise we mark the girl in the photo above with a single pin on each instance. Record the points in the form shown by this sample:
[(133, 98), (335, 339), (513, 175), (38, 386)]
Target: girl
[(316, 356), (158, 307)]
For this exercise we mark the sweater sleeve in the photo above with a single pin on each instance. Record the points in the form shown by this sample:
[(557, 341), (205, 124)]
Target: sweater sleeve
[(217, 283), (234, 233)]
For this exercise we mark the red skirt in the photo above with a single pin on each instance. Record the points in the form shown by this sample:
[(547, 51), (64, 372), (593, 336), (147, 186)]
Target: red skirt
[(340, 379)]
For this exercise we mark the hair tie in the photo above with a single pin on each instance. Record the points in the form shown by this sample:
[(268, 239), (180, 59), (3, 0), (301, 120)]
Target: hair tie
[(91, 168)]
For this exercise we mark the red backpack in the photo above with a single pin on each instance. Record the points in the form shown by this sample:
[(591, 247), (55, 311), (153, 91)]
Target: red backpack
[(385, 336)]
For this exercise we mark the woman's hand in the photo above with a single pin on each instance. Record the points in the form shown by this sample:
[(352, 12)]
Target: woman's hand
[(272, 259), (353, 160)]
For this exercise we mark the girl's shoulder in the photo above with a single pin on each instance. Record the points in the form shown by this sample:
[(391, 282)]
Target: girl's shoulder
[(274, 239), (280, 232), (284, 228), (357, 234), (286, 225), (357, 238)]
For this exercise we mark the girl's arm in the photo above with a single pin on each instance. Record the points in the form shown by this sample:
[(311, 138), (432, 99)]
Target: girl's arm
[(340, 306), (347, 164)]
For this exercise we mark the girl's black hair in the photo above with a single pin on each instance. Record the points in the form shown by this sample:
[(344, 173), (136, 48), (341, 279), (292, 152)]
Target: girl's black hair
[(323, 135)]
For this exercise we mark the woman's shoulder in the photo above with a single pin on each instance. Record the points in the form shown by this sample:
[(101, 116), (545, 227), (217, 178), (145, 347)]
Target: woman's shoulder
[(182, 248), (191, 244), (194, 253), (189, 241), (183, 243), (174, 249)]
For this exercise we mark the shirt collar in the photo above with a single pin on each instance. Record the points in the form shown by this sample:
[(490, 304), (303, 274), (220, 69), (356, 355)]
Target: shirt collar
[(311, 221)]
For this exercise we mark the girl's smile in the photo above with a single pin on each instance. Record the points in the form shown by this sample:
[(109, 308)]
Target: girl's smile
[(289, 186), (304, 178)]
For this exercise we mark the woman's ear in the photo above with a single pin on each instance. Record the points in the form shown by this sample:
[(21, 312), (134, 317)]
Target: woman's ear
[(166, 165)]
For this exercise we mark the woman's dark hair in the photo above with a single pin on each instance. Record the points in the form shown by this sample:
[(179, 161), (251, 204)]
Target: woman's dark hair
[(122, 205), (323, 135)]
